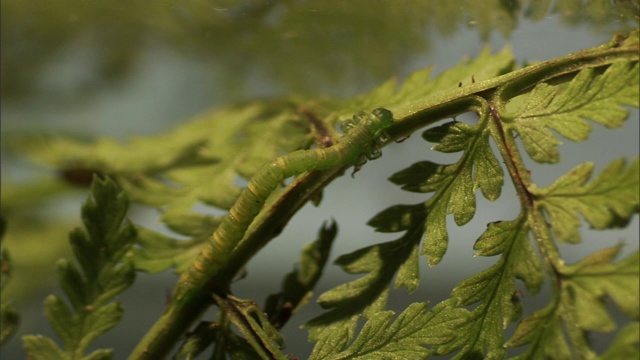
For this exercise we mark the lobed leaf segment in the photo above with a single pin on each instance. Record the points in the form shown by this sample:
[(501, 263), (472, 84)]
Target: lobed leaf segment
[(102, 250)]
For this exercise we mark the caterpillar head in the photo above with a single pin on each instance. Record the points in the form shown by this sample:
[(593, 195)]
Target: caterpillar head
[(385, 119), (381, 119)]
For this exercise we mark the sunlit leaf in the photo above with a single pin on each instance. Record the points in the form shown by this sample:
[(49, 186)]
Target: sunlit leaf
[(454, 185), (366, 295), (411, 94), (494, 291), (560, 330), (626, 344), (543, 332), (297, 287), (611, 196), (594, 277), (566, 108), (405, 338)]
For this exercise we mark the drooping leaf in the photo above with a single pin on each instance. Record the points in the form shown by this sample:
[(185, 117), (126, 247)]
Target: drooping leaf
[(494, 291), (611, 196), (298, 285), (418, 88), (453, 185), (398, 217), (366, 295), (159, 252), (543, 332), (197, 341), (405, 338), (560, 330), (566, 108), (593, 278), (626, 344), (253, 323), (207, 333)]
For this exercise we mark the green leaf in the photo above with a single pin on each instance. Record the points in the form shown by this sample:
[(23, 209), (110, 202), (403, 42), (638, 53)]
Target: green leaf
[(159, 252), (101, 249), (72, 283), (197, 226), (456, 137), (543, 332), (9, 317), (398, 218), (482, 334), (115, 282), (239, 349), (366, 295), (175, 170), (453, 185), (298, 285), (511, 236), (612, 196), (252, 322), (450, 137), (417, 90), (405, 338), (566, 107), (560, 330), (100, 354), (42, 348), (63, 321), (591, 279), (99, 321), (197, 341), (626, 345)]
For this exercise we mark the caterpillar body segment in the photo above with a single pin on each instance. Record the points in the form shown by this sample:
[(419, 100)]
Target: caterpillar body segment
[(364, 135)]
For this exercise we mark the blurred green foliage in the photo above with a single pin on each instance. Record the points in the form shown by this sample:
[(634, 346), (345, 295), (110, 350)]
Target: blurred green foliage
[(302, 44)]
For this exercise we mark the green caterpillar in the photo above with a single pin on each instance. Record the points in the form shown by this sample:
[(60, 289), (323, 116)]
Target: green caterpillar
[(363, 136)]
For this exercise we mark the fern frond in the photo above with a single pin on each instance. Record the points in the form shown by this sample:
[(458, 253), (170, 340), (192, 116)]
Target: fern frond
[(105, 270)]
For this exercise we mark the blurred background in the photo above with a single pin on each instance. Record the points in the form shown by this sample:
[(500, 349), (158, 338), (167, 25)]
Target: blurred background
[(118, 69)]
